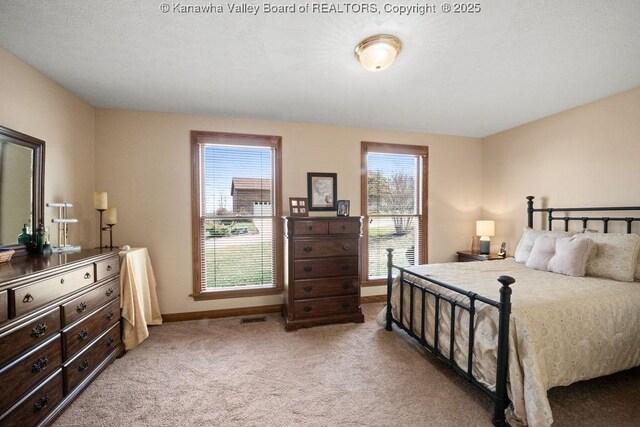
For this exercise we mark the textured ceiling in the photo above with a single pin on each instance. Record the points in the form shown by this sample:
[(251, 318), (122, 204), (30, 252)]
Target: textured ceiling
[(460, 74)]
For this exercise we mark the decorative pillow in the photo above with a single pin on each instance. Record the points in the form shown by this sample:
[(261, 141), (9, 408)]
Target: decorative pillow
[(529, 236), (544, 248), (616, 255), (571, 256)]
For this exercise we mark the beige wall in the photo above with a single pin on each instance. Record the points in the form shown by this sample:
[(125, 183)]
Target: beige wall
[(587, 156), (143, 162), (33, 104)]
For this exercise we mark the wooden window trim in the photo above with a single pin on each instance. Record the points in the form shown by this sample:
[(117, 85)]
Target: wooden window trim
[(380, 147), (205, 137)]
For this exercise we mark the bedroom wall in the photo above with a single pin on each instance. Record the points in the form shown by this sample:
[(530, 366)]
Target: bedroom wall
[(143, 162), (586, 156), (32, 103)]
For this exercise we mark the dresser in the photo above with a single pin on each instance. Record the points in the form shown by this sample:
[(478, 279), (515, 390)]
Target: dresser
[(322, 278), (59, 328)]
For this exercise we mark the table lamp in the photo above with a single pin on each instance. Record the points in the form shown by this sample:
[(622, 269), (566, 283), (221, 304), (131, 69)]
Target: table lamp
[(485, 229)]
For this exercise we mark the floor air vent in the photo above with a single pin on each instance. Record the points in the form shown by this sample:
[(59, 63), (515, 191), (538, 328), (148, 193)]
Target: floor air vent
[(253, 319)]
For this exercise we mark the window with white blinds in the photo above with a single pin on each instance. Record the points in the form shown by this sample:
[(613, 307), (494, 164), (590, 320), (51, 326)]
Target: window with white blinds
[(394, 206), (236, 238)]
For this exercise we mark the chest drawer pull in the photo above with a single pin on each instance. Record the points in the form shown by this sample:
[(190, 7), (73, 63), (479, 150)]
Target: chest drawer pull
[(307, 249), (307, 288), (108, 292), (310, 227), (343, 227), (84, 365), (83, 334), (307, 309), (87, 275), (346, 247), (345, 305), (62, 281), (346, 285), (41, 403), (108, 267), (39, 330), (110, 342), (308, 269), (109, 315), (344, 266), (27, 298), (81, 307), (40, 365)]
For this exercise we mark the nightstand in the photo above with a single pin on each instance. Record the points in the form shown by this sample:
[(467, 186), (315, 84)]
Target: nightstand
[(467, 256)]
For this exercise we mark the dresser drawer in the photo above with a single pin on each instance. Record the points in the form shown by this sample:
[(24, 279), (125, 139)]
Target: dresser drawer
[(89, 301), (29, 334), (331, 267), (79, 336), (344, 227), (4, 306), (76, 370), (325, 306), (37, 405), (309, 228), (29, 370), (325, 287), (29, 297), (107, 268), (325, 247)]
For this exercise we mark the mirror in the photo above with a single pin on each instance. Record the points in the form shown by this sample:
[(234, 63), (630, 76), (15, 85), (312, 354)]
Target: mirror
[(21, 186)]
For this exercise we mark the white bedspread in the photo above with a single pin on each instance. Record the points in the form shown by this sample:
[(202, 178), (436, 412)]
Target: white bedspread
[(562, 329)]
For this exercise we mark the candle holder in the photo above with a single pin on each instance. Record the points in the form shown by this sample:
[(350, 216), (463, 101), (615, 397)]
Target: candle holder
[(100, 225), (110, 228)]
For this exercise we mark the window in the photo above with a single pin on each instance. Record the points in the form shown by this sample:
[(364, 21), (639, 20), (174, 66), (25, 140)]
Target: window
[(394, 200), (236, 204)]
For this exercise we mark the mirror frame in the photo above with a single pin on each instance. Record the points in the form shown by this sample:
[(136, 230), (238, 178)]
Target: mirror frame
[(37, 207)]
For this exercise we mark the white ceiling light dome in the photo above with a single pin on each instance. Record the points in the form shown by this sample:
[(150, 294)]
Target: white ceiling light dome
[(377, 53)]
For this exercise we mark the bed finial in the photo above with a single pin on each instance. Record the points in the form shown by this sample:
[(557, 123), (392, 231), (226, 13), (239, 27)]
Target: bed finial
[(530, 211), (389, 319), (501, 400)]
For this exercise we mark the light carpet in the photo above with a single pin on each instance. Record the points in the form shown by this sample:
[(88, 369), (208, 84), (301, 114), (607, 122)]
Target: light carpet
[(224, 373)]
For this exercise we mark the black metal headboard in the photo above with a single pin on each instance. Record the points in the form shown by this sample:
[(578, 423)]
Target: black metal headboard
[(605, 219)]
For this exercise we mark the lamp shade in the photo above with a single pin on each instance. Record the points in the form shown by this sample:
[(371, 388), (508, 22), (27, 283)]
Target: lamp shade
[(377, 53), (485, 228)]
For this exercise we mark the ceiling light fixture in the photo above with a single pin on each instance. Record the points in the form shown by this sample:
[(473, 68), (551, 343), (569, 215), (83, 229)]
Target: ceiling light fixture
[(378, 52)]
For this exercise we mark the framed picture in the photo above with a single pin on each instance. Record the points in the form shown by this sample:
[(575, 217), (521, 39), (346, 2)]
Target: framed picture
[(298, 206), (343, 207), (322, 189)]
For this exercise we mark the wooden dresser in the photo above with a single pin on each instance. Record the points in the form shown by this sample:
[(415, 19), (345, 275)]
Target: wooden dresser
[(322, 280), (59, 328)]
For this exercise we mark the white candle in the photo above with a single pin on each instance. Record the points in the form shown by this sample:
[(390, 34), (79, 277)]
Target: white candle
[(100, 200), (111, 216)]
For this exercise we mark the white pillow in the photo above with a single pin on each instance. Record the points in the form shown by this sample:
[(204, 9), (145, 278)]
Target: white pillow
[(544, 248), (529, 236), (571, 256), (616, 255)]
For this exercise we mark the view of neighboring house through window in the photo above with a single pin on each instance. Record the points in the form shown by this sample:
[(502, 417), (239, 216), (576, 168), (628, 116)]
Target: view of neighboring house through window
[(236, 223), (394, 206)]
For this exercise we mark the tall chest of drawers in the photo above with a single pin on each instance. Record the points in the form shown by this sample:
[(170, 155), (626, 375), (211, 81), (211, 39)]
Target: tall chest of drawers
[(322, 278), (59, 328)]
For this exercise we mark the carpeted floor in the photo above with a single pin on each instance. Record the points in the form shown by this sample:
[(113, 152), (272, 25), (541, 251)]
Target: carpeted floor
[(224, 373)]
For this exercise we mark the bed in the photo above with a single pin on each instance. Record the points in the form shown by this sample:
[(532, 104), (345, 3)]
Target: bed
[(553, 329)]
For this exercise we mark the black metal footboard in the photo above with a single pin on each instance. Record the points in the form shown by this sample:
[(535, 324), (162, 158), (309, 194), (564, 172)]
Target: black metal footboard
[(499, 396)]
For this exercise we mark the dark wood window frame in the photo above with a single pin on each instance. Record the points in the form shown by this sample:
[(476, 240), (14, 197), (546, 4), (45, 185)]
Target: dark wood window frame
[(379, 147), (203, 137)]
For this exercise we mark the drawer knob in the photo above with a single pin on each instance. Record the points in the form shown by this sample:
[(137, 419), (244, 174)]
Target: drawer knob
[(346, 285), (307, 249), (307, 288), (83, 334), (346, 247), (40, 365), (87, 275), (308, 269), (109, 315), (307, 309), (344, 266), (344, 227), (108, 268), (310, 227), (345, 305), (81, 307), (110, 342), (62, 281), (108, 292), (27, 298), (39, 330), (41, 403), (84, 365)]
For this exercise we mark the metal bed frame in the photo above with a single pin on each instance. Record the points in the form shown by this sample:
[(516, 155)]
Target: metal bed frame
[(499, 396)]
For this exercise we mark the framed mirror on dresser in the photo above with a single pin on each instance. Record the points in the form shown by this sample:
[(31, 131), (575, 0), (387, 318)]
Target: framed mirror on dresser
[(21, 187)]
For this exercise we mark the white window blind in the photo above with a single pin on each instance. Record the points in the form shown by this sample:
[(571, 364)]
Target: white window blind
[(237, 216)]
